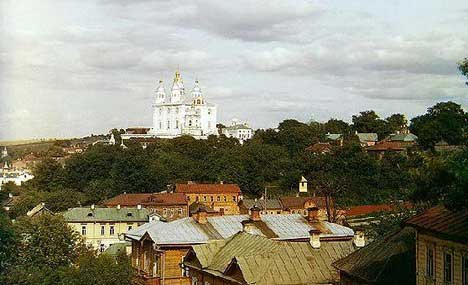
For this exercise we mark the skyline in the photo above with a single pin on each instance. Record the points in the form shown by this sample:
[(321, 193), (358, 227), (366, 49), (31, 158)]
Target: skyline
[(72, 69)]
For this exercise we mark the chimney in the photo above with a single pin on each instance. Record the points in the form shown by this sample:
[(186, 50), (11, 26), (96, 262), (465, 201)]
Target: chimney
[(312, 214), (118, 207), (248, 227), (314, 238), (92, 207), (359, 240), (139, 207), (200, 216), (255, 213), (221, 182), (10, 195)]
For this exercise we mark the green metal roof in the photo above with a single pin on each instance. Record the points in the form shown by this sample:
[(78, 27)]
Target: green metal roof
[(403, 137), (334, 137), (86, 214), (265, 261)]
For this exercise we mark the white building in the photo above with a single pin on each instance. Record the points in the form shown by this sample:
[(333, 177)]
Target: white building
[(240, 131), (178, 113), (18, 177)]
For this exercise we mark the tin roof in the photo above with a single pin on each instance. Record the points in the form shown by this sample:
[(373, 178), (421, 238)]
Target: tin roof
[(440, 220), (391, 258), (265, 261), (271, 204), (334, 137), (367, 137), (281, 227), (86, 214), (147, 199), (298, 202), (195, 188), (403, 137)]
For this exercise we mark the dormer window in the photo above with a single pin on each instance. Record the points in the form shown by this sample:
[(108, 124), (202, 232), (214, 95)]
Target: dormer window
[(129, 214), (90, 214)]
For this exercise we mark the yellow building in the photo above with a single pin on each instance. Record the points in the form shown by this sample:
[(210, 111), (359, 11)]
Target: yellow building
[(223, 198), (441, 246), (101, 227)]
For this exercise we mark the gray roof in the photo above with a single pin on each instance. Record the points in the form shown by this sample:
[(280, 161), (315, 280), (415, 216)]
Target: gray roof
[(334, 137), (265, 261), (367, 137), (238, 127), (403, 137), (281, 227), (86, 214), (270, 203)]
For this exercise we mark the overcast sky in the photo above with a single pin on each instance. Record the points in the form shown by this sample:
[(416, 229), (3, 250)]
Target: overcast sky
[(72, 68)]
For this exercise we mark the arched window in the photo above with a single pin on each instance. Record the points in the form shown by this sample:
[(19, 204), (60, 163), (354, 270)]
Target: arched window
[(190, 123), (198, 101)]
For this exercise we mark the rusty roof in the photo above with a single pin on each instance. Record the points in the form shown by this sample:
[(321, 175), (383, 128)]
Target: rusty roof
[(195, 188), (298, 202), (319, 147), (386, 146), (147, 199), (440, 220)]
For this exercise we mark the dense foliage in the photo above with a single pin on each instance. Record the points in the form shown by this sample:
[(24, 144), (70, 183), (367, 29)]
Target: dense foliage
[(47, 251)]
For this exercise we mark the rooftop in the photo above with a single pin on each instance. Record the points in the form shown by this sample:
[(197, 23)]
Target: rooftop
[(439, 220), (334, 137), (195, 188), (386, 146), (298, 202), (409, 137), (391, 258), (281, 227), (147, 199), (264, 261), (261, 203), (367, 137), (319, 147), (86, 214)]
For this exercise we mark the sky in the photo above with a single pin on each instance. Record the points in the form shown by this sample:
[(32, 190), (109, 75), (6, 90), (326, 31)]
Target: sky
[(74, 68)]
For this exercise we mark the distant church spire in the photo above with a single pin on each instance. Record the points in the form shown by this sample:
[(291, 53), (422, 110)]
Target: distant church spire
[(178, 89), (160, 93)]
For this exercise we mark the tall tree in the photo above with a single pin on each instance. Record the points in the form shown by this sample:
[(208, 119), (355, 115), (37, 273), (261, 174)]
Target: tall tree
[(336, 126), (370, 122), (444, 121), (463, 67), (396, 122)]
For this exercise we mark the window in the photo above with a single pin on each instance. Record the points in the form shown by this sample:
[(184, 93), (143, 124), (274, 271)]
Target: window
[(234, 198), (164, 212), (225, 198), (211, 198), (102, 247), (429, 262), (204, 198), (177, 124), (111, 230), (129, 228), (180, 211), (83, 230), (218, 198), (177, 110), (196, 198), (465, 270), (103, 229), (168, 125), (209, 111), (190, 123), (448, 267), (160, 124)]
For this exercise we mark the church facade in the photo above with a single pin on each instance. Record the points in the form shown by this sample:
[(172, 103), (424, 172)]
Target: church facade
[(176, 113)]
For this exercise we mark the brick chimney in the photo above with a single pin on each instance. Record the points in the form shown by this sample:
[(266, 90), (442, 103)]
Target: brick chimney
[(314, 238), (255, 213), (312, 214), (200, 216)]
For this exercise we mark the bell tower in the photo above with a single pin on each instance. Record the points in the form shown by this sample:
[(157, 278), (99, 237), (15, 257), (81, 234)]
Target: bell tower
[(178, 90)]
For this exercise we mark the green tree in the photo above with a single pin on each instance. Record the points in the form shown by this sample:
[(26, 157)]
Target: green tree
[(99, 270), (8, 242), (396, 122), (370, 122), (444, 121), (463, 67), (335, 126), (48, 175)]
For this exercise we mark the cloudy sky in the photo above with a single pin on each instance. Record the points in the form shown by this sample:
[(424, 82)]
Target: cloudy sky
[(72, 68)]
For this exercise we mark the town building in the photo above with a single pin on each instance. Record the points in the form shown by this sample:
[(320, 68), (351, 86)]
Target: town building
[(266, 206), (253, 259), (367, 139), (240, 131), (18, 177), (389, 260), (405, 138), (170, 206), (335, 139), (220, 197), (101, 227), (320, 148), (178, 113), (441, 246), (158, 248)]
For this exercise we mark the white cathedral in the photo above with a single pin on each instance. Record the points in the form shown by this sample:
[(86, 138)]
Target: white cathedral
[(177, 114)]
